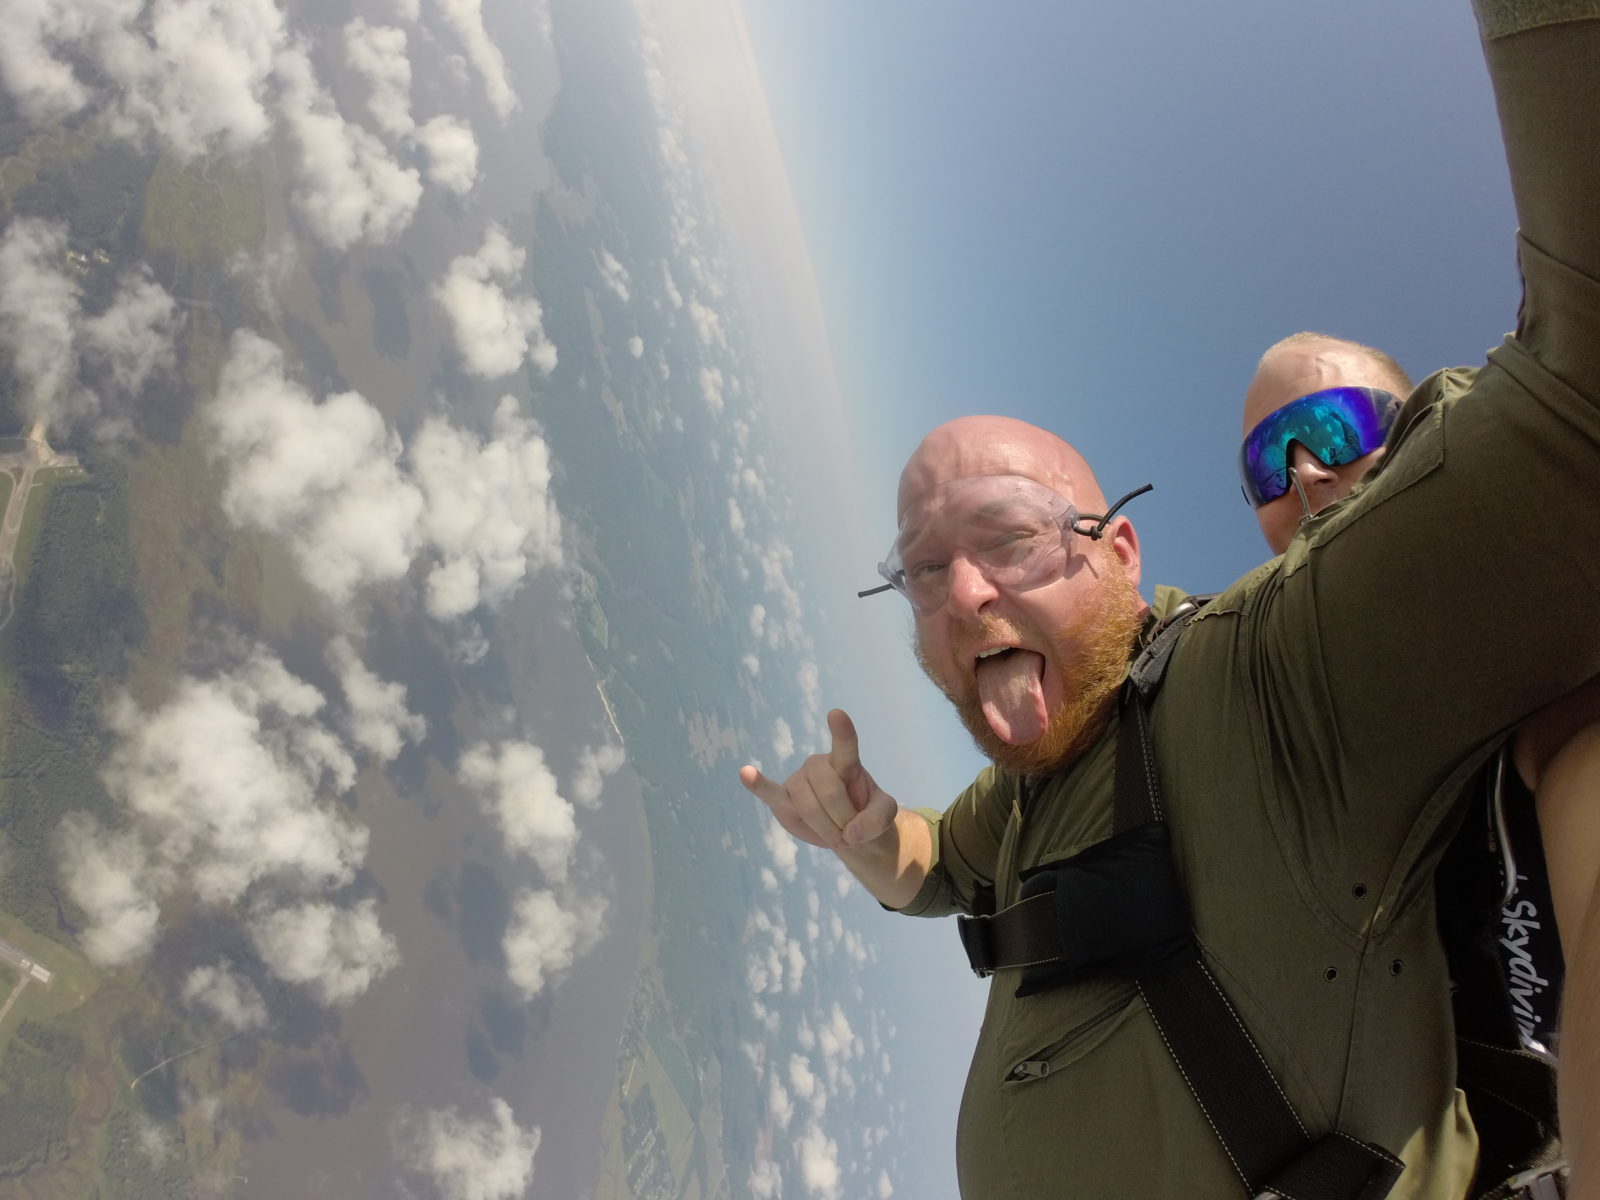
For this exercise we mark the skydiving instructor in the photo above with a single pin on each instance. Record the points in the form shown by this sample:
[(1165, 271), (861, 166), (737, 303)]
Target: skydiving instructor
[(1282, 768)]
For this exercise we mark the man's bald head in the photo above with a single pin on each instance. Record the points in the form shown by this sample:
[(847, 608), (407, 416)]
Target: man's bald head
[(1307, 362), (989, 445)]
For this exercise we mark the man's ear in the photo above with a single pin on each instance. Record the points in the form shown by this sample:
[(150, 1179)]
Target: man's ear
[(1123, 541)]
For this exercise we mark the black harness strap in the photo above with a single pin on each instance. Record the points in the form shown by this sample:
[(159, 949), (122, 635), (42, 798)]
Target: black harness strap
[(1262, 1135)]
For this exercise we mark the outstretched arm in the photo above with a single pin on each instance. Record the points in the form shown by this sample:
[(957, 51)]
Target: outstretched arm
[(833, 803)]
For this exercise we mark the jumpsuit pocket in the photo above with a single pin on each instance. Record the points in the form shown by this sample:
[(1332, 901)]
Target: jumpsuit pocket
[(1057, 1028)]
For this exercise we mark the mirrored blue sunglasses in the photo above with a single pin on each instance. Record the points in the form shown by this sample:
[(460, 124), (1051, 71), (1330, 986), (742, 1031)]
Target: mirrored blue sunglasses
[(1338, 425)]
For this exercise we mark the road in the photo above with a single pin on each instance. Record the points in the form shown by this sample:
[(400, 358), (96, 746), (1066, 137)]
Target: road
[(21, 458), (13, 957)]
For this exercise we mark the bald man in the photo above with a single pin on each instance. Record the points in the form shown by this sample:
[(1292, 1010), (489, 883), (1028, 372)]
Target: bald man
[(1296, 371), (1309, 743)]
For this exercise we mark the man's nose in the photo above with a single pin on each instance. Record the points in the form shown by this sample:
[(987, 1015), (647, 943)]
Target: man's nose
[(970, 586), (1309, 467)]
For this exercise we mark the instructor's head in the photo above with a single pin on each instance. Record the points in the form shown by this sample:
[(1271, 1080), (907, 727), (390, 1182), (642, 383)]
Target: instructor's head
[(1023, 623), (1295, 399)]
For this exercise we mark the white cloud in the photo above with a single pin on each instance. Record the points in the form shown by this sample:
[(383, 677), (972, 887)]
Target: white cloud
[(378, 54), (758, 619), (636, 346), (801, 1079), (779, 1107), (325, 477), (348, 187), (495, 332), (885, 1186), (197, 73), (546, 939), (475, 1158), (818, 1156), (782, 740), (111, 878), (488, 510), (466, 18), (452, 151), (707, 324), (193, 73), (380, 723), (518, 790), (222, 781), (133, 338), (337, 953), (594, 764), (38, 312), (49, 341), (766, 1182), (735, 517), (711, 387), (782, 847), (615, 276), (229, 997)]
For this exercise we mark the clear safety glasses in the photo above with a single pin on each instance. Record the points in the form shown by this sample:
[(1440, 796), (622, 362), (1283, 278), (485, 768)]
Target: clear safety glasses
[(1338, 425), (1014, 530)]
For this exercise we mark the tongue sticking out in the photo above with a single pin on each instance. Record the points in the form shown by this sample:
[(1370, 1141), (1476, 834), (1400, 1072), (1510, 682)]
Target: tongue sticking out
[(1011, 689)]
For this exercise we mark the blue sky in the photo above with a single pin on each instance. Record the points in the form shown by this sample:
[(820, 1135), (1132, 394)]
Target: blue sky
[(1096, 220)]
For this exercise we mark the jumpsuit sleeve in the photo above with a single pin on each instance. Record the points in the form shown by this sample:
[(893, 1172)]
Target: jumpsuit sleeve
[(1457, 592), (966, 845)]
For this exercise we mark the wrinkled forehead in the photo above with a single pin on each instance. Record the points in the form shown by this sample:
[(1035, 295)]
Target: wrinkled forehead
[(959, 505)]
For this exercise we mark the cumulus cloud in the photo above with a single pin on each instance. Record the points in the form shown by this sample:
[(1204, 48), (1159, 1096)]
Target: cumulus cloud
[(466, 18), (325, 477), (615, 276), (495, 332), (766, 1182), (39, 311), (782, 740), (711, 384), (221, 788), (474, 1158), (518, 790), (348, 187), (783, 848), (133, 338), (488, 509), (53, 347), (337, 953), (594, 764), (112, 879), (378, 54), (545, 939), (227, 996), (818, 1156), (221, 782), (193, 73), (452, 152), (636, 346), (707, 324), (885, 1186), (379, 721)]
